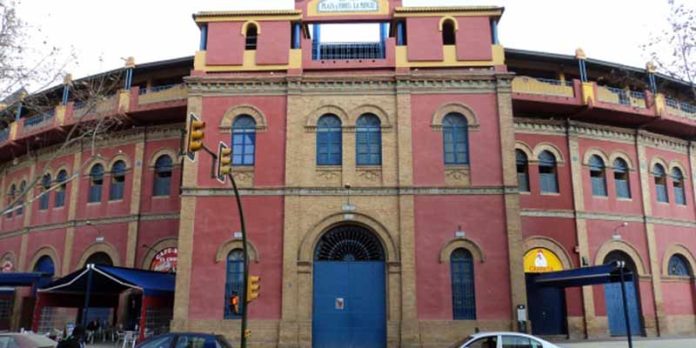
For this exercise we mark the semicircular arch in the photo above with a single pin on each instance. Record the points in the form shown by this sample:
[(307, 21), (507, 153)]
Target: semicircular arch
[(628, 249), (245, 109), (156, 248), (553, 149), (313, 117), (458, 108), (595, 152), (371, 109), (97, 247), (45, 250), (468, 244), (678, 249), (622, 155), (550, 244), (225, 248)]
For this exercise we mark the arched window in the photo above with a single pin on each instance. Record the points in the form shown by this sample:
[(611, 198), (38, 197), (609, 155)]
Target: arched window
[(243, 141), (118, 181), (678, 183), (463, 290), (678, 266), (45, 195), (22, 194), (45, 265), (96, 180), (455, 133), (252, 33), (547, 172), (329, 140), (368, 140), (660, 183), (100, 258), (12, 194), (234, 282), (598, 177), (163, 176), (623, 187), (62, 180), (522, 170), (448, 32)]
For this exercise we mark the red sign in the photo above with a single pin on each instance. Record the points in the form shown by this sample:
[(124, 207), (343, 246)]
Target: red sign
[(7, 266), (165, 260)]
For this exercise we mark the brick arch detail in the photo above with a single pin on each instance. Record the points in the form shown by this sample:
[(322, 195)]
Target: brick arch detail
[(459, 108), (96, 247), (45, 250), (314, 116), (154, 249), (245, 109), (549, 244), (625, 247), (678, 249), (225, 248), (371, 109), (468, 244)]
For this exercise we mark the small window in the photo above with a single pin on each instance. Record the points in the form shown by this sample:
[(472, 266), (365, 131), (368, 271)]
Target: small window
[(448, 32), (11, 196), (368, 140), (96, 180), (118, 181), (547, 172), (163, 176), (243, 141), (62, 181), (678, 183), (45, 194), (455, 134), (484, 342), (463, 290), (660, 183), (234, 282), (329, 140), (22, 193), (522, 170), (510, 341), (678, 266), (251, 37), (597, 176), (621, 181)]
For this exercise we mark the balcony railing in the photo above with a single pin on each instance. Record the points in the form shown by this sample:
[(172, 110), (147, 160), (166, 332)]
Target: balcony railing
[(106, 104), (162, 93), (348, 50), (681, 108), (38, 120), (4, 135), (620, 96), (541, 86)]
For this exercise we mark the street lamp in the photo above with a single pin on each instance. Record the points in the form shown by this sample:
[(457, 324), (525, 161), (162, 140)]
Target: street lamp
[(616, 235)]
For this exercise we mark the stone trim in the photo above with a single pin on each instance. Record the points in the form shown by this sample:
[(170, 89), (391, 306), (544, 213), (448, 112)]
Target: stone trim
[(460, 108), (384, 119), (164, 151), (245, 109), (157, 247), (677, 164), (45, 250), (546, 146), (627, 248), (122, 157), (339, 191), (313, 117), (655, 160), (96, 247), (468, 244), (544, 242), (682, 250), (596, 151), (616, 154), (522, 146), (225, 248)]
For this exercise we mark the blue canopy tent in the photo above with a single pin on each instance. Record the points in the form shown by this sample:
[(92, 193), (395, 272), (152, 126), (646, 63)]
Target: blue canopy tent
[(13, 279), (101, 286), (614, 272)]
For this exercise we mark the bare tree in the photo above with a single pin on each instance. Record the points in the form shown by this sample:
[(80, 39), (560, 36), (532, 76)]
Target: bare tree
[(674, 49)]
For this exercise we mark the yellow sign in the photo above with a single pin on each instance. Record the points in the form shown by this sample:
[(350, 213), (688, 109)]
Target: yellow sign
[(540, 260)]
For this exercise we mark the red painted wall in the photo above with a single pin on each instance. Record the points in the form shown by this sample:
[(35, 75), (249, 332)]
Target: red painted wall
[(54, 214), (474, 38), (160, 204), (424, 39), (151, 233), (484, 143), (52, 238), (671, 209), (436, 219), (273, 43), (225, 43), (114, 234), (217, 219), (680, 297)]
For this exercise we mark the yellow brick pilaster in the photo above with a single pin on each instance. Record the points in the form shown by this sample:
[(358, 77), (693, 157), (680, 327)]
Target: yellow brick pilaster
[(29, 195), (518, 293), (132, 244), (72, 211), (3, 202)]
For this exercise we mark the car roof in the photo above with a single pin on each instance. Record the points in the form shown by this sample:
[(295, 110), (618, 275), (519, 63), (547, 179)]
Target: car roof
[(491, 333)]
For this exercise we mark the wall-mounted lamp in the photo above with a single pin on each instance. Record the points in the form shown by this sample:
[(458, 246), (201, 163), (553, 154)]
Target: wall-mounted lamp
[(616, 235), (459, 233), (99, 238), (584, 261), (348, 207)]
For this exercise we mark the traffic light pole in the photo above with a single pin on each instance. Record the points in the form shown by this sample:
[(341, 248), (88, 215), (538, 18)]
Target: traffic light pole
[(243, 297)]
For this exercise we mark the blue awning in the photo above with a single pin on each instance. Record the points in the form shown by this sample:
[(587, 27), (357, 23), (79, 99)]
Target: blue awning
[(609, 273), (113, 280), (23, 279)]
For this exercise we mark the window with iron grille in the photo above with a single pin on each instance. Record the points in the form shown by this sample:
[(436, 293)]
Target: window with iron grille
[(368, 140), (522, 170), (163, 176), (598, 177), (23, 193), (621, 181), (678, 184), (45, 195), (329, 140), (547, 172), (96, 181), (62, 180), (251, 37), (455, 134), (660, 183), (243, 141), (234, 282), (678, 266), (118, 181), (463, 289)]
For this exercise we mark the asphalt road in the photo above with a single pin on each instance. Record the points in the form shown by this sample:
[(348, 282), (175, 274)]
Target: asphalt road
[(639, 343)]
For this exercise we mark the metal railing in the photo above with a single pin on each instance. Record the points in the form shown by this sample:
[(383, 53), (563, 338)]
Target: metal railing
[(555, 82), (348, 50), (4, 135), (39, 120), (542, 86), (681, 108), (624, 98), (156, 89)]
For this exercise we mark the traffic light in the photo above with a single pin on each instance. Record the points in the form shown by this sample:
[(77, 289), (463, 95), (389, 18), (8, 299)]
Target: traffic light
[(234, 303), (253, 288), (224, 160), (196, 134)]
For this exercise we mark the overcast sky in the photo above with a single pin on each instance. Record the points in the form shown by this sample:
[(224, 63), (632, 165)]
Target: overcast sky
[(102, 32)]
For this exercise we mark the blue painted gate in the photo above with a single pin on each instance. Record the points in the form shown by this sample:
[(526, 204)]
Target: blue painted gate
[(546, 308), (617, 323), (349, 307)]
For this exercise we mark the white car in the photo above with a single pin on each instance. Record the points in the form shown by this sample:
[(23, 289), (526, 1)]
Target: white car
[(505, 340)]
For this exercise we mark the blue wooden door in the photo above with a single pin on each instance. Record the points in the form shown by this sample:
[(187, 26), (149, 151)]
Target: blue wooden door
[(546, 308), (349, 308), (617, 322)]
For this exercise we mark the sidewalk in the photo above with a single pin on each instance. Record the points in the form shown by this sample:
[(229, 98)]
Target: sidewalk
[(637, 343)]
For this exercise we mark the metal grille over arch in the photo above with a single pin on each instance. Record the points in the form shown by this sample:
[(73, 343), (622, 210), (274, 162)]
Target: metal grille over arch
[(349, 243)]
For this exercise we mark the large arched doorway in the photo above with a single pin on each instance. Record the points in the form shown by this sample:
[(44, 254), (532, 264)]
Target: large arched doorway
[(614, 300), (100, 258), (349, 306)]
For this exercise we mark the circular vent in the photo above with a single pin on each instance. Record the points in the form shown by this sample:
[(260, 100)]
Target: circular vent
[(349, 243)]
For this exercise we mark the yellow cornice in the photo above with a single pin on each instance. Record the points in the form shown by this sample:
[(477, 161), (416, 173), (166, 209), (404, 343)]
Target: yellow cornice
[(236, 16), (401, 12)]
